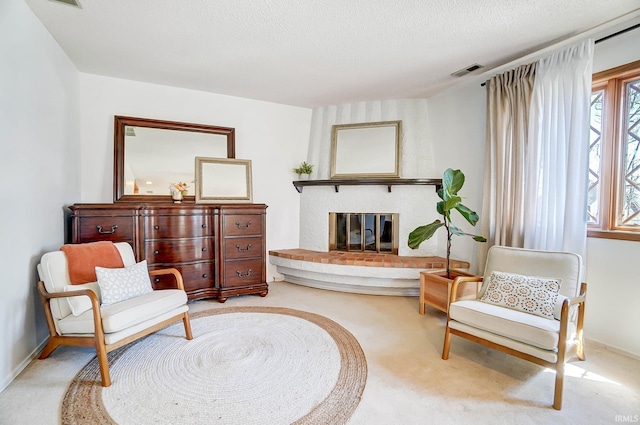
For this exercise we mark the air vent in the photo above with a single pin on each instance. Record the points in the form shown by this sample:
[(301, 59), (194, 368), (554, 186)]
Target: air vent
[(468, 69), (69, 2)]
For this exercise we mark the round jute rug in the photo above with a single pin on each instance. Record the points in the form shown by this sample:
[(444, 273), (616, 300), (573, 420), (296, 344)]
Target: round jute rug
[(245, 365)]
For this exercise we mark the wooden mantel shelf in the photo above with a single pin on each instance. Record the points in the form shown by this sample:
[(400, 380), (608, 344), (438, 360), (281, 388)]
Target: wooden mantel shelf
[(336, 183)]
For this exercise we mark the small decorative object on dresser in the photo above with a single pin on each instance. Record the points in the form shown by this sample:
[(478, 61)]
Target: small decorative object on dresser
[(178, 191), (219, 249)]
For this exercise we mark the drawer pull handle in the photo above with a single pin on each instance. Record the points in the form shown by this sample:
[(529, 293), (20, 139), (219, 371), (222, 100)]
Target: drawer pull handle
[(204, 249), (156, 227), (156, 280), (156, 252), (204, 276), (240, 226), (243, 250), (204, 226), (107, 232), (247, 274)]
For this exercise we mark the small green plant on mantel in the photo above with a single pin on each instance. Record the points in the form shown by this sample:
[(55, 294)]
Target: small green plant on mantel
[(304, 168), (452, 182)]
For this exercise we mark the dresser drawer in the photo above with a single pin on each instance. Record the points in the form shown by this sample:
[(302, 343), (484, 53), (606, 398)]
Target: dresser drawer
[(178, 250), (116, 229), (242, 225), (242, 272), (177, 226), (195, 276), (235, 248)]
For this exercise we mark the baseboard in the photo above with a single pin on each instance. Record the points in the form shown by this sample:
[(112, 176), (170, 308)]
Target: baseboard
[(9, 379), (613, 348)]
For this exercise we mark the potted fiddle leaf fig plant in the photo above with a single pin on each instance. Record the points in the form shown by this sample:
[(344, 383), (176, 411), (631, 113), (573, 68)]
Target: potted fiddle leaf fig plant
[(304, 170), (452, 182), (435, 287)]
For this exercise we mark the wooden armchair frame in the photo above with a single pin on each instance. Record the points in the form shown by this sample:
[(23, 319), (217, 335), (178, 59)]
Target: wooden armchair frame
[(558, 366), (97, 339)]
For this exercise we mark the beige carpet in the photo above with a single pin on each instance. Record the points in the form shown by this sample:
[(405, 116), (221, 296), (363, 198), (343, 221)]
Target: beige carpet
[(407, 383), (245, 365)]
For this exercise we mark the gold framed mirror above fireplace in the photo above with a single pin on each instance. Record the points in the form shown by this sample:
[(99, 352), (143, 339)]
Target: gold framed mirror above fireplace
[(366, 150)]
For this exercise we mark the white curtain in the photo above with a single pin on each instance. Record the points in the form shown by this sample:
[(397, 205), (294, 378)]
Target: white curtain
[(536, 167), (558, 152)]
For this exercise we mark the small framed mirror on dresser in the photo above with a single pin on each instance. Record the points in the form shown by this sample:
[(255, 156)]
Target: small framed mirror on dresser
[(150, 155)]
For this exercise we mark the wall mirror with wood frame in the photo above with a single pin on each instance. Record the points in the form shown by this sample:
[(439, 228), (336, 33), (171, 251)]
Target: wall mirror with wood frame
[(150, 155)]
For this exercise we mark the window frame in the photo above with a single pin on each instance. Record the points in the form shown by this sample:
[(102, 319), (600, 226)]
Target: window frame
[(612, 81)]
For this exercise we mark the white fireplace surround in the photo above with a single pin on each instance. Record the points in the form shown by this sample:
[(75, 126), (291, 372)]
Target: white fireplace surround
[(414, 204)]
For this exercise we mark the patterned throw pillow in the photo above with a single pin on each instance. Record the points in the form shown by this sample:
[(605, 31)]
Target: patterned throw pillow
[(534, 295), (124, 283)]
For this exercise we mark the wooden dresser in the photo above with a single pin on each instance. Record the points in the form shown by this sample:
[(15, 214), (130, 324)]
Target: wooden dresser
[(219, 249)]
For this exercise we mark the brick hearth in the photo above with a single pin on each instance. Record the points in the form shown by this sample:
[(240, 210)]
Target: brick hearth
[(367, 259)]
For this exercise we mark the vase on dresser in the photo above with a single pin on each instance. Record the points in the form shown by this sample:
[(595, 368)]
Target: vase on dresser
[(176, 195)]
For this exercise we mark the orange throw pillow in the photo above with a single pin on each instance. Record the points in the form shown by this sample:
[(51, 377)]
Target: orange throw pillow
[(83, 259)]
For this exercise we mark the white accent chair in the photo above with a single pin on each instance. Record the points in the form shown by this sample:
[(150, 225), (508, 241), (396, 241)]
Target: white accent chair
[(546, 342), (108, 327)]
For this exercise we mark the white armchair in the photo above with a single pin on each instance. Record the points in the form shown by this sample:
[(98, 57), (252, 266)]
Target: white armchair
[(546, 337), (76, 317)]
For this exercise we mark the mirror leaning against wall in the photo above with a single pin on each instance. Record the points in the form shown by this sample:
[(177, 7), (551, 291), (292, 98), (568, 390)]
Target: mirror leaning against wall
[(150, 155)]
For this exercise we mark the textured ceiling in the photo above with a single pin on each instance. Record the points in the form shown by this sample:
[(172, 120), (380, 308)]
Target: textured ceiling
[(314, 52)]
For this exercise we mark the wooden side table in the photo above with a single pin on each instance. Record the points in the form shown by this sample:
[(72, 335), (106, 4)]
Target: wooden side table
[(435, 290)]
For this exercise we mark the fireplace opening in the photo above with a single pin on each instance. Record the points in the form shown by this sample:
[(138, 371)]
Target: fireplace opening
[(363, 232)]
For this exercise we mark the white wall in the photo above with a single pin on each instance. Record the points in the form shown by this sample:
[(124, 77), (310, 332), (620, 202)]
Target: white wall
[(39, 170), (457, 123), (273, 136), (612, 314)]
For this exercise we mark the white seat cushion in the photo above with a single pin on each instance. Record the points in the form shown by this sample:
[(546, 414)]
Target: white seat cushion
[(119, 316), (524, 327)]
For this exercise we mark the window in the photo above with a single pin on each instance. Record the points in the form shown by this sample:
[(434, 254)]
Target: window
[(613, 207)]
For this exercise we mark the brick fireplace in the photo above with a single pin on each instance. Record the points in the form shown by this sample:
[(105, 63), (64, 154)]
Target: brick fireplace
[(314, 262)]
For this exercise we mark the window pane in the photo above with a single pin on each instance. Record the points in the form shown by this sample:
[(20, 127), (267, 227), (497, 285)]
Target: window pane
[(631, 183), (593, 197), (386, 230), (355, 232), (341, 231), (370, 232)]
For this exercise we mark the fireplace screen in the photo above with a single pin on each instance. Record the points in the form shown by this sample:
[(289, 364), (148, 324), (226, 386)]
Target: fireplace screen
[(370, 232)]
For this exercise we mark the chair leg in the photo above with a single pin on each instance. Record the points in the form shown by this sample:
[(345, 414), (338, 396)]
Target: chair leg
[(103, 361), (557, 395), (447, 343), (187, 325), (51, 346), (580, 347), (421, 302)]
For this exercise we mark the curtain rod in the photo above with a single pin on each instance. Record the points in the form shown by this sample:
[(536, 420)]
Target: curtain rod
[(615, 34)]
